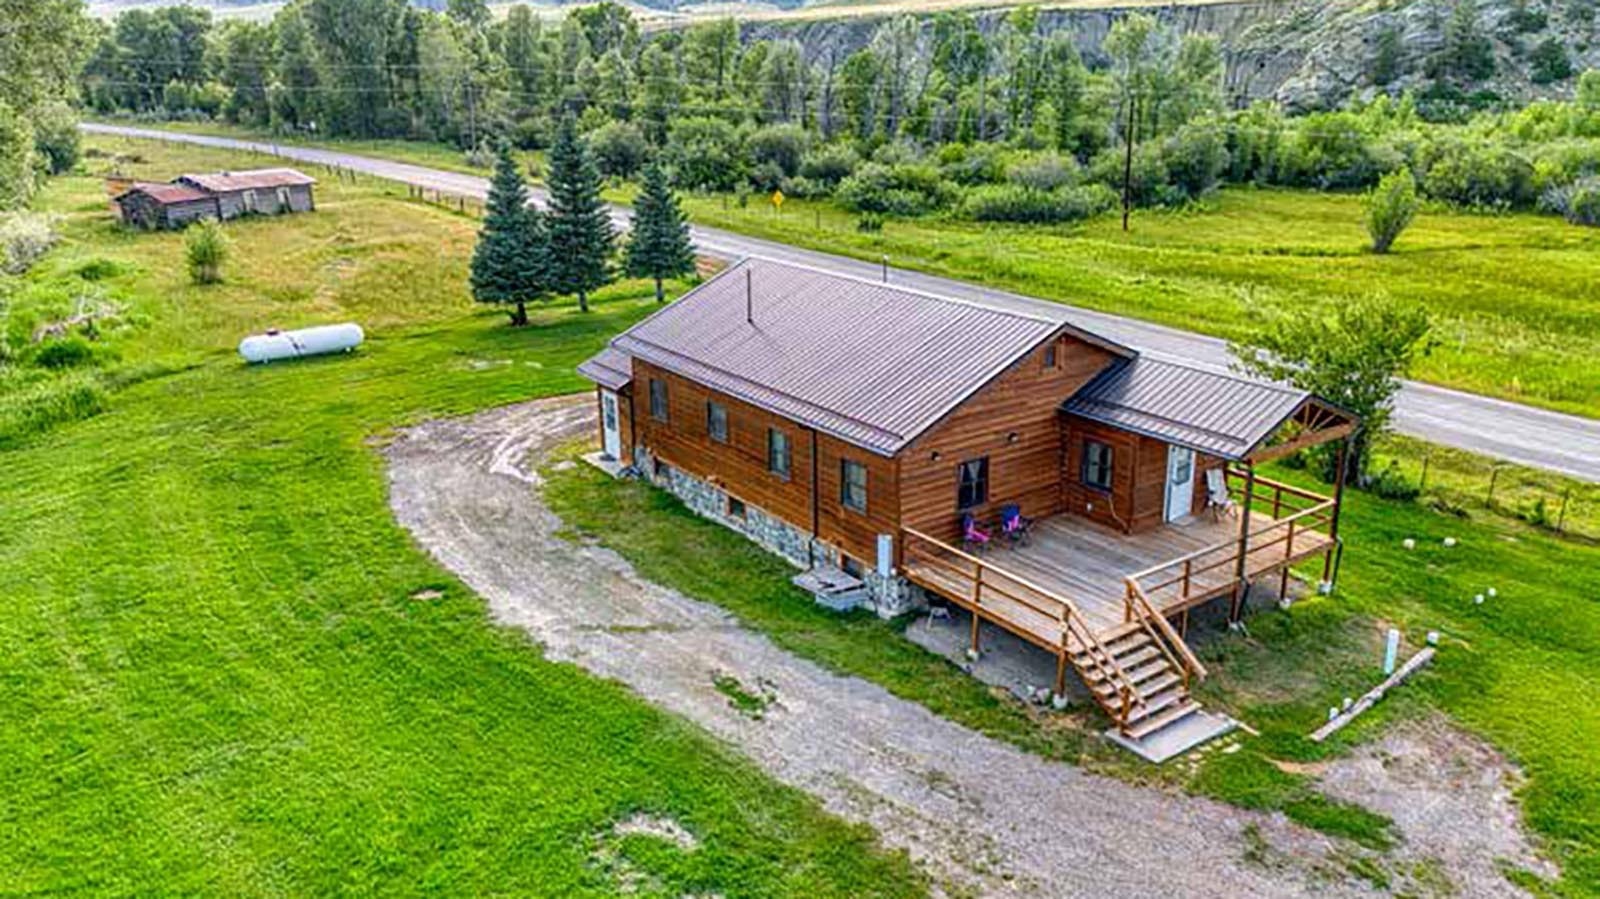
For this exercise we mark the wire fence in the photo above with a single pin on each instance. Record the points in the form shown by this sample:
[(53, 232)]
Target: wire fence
[(1462, 483)]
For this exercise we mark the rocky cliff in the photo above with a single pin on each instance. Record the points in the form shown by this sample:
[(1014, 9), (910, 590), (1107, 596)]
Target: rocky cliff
[(1310, 54)]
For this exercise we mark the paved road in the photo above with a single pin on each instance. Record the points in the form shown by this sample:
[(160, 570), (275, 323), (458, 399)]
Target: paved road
[(1564, 443)]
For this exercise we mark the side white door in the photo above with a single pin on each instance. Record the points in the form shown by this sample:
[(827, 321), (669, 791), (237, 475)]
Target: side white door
[(611, 434), (1180, 482)]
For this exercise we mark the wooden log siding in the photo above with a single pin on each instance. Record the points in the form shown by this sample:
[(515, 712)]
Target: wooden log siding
[(1026, 471), (1138, 498), (856, 533), (740, 465)]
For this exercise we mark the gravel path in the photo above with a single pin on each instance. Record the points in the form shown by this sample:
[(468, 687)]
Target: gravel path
[(979, 815)]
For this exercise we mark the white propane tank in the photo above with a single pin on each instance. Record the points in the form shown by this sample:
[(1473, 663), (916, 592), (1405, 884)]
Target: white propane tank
[(276, 344)]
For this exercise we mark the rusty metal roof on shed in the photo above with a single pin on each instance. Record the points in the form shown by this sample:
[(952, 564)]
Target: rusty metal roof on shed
[(873, 364), (610, 368), (165, 193), (1206, 410), (228, 182)]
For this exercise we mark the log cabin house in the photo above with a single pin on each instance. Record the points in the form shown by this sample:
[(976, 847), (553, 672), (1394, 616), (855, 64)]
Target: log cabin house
[(874, 435)]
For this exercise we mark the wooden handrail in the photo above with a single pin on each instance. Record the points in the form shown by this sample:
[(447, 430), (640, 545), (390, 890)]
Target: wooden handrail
[(1280, 486), (1069, 615), (1151, 616), (1232, 544)]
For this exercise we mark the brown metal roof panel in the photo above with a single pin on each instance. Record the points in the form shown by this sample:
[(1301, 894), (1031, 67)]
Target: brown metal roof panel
[(870, 362), (1214, 412), (166, 193), (227, 182), (610, 368)]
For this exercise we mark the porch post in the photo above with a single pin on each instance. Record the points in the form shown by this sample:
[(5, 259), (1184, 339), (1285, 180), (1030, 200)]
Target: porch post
[(1338, 505), (1237, 610)]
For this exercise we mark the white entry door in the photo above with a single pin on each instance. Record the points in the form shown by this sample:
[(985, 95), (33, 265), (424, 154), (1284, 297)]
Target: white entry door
[(1180, 482), (611, 434)]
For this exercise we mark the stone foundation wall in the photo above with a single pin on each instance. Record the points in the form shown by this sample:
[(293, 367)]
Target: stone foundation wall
[(888, 595)]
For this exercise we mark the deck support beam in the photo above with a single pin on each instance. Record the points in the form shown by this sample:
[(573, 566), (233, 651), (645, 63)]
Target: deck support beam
[(1338, 505), (1242, 572)]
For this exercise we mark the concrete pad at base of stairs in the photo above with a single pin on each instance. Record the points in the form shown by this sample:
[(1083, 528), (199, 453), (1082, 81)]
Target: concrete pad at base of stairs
[(1176, 738), (606, 464)]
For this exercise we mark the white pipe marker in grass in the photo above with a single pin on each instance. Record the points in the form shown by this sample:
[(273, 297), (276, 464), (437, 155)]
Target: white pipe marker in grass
[(1391, 649)]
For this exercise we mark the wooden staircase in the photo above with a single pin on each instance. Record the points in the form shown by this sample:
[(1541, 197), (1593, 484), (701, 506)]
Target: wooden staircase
[(1139, 683)]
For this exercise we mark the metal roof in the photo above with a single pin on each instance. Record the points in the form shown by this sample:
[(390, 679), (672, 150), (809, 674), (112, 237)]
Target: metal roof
[(1206, 410), (227, 182), (610, 368), (873, 364), (165, 193)]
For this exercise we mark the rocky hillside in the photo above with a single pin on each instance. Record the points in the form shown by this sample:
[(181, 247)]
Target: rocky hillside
[(1311, 54)]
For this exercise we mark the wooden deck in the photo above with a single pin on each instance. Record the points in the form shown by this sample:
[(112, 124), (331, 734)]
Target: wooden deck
[(1075, 568)]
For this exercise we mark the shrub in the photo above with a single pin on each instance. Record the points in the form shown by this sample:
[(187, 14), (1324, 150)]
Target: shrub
[(906, 189), (706, 154), (829, 165), (869, 223), (1016, 203), (1391, 483), (1046, 171), (1195, 158), (67, 352), (766, 177), (1477, 173), (619, 149), (972, 164), (1549, 62), (1332, 150), (1147, 177), (17, 169), (24, 238), (1578, 202), (55, 137), (780, 146), (206, 249), (1390, 207)]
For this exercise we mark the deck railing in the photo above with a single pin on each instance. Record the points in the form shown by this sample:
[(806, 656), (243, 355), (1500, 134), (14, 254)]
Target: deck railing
[(1010, 600), (1293, 516), (1161, 632)]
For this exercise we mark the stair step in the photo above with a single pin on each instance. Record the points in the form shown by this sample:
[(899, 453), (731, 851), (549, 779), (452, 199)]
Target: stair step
[(1136, 675), (1150, 725), (1099, 672), (1155, 702)]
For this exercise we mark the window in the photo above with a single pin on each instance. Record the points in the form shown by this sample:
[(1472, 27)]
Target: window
[(973, 489), (1097, 465), (717, 422), (1050, 356), (735, 508), (778, 453), (853, 485), (658, 399)]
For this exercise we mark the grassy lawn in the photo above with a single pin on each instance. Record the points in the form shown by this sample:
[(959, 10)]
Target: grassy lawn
[(1522, 670), (227, 671)]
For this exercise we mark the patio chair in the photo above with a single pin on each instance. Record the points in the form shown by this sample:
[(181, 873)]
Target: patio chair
[(1015, 525), (1218, 502), (974, 538)]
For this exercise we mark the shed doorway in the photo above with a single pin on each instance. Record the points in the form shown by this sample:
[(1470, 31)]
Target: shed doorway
[(1180, 482)]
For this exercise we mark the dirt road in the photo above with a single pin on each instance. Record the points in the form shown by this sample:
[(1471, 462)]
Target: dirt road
[(979, 815)]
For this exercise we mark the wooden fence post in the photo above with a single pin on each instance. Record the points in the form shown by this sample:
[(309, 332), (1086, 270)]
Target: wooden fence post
[(1494, 475), (1561, 518), (1422, 484)]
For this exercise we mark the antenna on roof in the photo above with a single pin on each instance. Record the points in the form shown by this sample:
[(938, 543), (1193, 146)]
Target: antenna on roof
[(749, 303)]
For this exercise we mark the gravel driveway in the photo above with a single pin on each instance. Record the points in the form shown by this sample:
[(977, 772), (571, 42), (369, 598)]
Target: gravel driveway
[(979, 815)]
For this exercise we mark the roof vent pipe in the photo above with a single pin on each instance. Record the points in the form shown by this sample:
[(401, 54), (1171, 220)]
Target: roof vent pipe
[(749, 303)]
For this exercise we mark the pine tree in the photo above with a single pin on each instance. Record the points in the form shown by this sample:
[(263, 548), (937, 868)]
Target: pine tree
[(508, 263), (579, 226), (659, 245)]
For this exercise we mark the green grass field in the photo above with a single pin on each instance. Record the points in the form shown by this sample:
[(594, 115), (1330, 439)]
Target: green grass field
[(227, 671), (1521, 669)]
